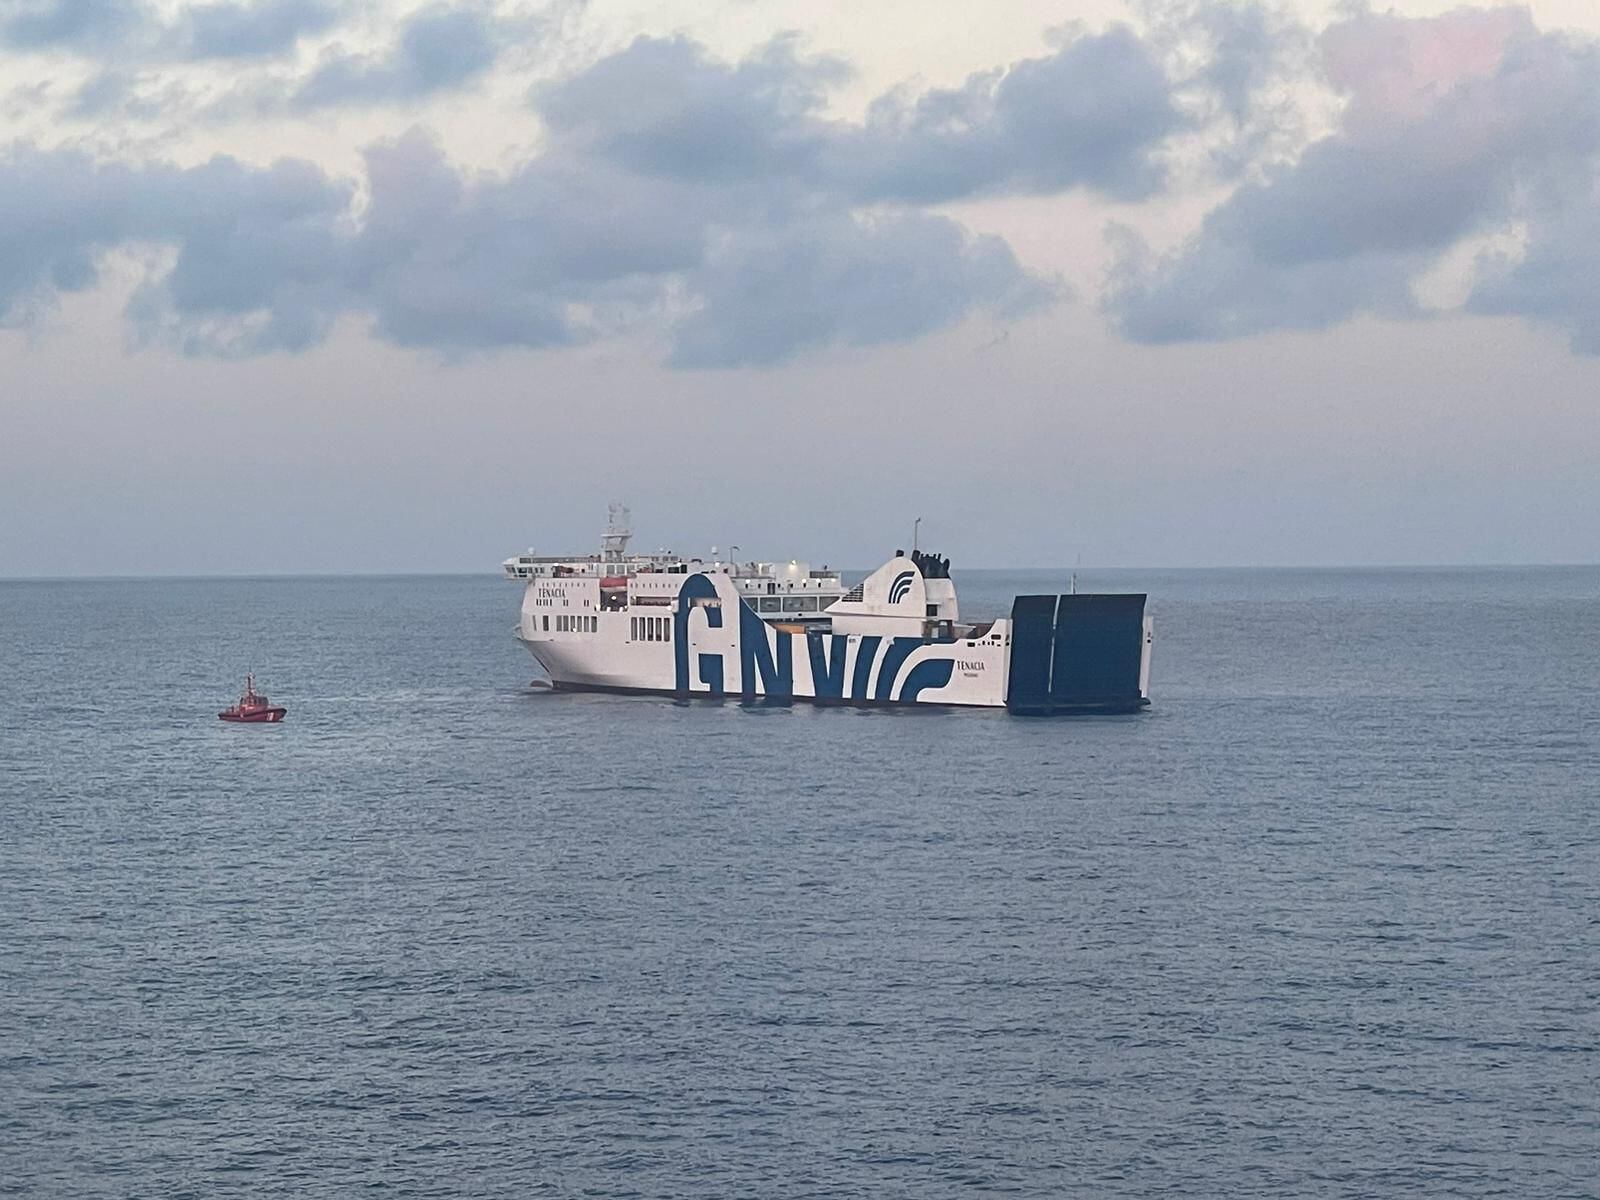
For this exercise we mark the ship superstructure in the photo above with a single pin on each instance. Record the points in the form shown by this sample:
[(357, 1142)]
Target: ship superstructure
[(778, 591), (661, 622)]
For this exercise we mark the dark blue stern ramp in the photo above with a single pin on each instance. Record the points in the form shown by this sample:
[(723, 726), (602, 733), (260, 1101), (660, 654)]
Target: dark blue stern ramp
[(1033, 622), (1077, 654)]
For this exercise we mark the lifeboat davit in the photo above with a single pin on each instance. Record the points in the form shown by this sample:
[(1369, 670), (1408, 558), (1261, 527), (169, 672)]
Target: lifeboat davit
[(253, 707)]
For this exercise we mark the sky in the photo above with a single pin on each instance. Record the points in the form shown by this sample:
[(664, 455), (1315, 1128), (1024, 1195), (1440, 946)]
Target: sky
[(374, 286)]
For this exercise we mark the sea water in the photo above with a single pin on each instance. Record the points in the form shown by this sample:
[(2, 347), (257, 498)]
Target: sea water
[(1325, 921)]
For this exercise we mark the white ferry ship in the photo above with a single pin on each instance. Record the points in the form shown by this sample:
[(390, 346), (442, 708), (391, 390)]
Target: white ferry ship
[(663, 623)]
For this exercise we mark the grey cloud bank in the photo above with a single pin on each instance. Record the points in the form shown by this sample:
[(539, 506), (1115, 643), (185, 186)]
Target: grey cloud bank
[(244, 234), (677, 194), (1094, 114), (717, 207), (840, 279), (267, 258), (1454, 127), (1557, 280)]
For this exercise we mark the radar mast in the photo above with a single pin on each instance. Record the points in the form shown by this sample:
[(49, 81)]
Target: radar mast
[(614, 542)]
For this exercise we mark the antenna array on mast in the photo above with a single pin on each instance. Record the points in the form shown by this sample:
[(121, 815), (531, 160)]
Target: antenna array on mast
[(614, 543)]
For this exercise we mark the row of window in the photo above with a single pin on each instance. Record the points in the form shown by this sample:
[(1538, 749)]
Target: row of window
[(574, 623), (746, 585), (791, 604), (652, 629)]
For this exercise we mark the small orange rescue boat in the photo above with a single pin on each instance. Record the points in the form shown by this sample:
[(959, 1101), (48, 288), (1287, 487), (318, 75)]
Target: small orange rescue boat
[(253, 708)]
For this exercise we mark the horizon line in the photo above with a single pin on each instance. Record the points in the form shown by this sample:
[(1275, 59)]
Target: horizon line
[(178, 576)]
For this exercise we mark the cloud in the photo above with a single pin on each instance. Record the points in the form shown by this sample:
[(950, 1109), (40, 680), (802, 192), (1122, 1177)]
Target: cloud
[(1242, 47), (141, 57), (261, 259), (266, 28), (1218, 287), (439, 48), (107, 92), (1450, 125), (132, 47), (122, 32), (1556, 281), (562, 250), (1236, 69), (248, 242), (768, 295), (712, 206), (715, 206), (458, 263), (663, 107), (1095, 114), (553, 253), (82, 26), (721, 209)]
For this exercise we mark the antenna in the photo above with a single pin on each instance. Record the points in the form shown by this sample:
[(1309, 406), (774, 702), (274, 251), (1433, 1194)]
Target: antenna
[(916, 527)]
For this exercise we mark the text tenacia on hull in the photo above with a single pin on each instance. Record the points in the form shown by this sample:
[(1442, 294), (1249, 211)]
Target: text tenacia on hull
[(621, 621)]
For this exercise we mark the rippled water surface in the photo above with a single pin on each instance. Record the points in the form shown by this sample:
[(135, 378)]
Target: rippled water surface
[(1324, 922)]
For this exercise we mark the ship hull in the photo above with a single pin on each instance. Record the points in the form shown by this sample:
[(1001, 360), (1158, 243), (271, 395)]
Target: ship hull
[(1107, 708), (758, 698)]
